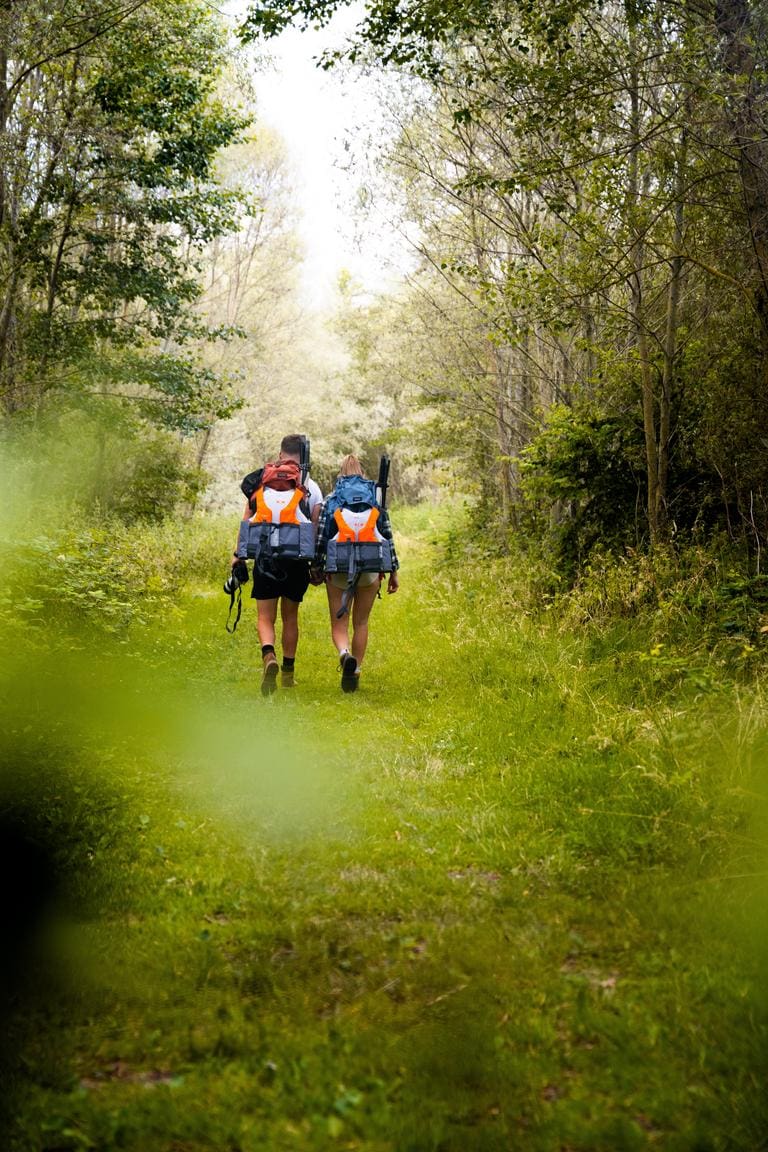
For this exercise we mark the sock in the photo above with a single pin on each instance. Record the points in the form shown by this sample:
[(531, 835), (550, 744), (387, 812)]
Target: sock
[(288, 663), (266, 649)]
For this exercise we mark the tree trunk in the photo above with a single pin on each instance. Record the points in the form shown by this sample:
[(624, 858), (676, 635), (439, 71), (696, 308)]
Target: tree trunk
[(655, 496), (670, 333), (746, 111)]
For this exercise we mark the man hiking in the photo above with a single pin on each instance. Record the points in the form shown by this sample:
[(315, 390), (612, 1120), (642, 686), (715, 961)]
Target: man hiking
[(297, 499)]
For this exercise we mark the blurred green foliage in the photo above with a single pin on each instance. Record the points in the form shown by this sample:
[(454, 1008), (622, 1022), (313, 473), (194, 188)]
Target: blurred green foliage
[(98, 523)]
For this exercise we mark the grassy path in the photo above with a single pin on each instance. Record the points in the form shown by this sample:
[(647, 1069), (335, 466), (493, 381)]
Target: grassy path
[(489, 902)]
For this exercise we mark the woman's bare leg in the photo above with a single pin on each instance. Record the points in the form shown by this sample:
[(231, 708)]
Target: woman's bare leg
[(339, 628), (361, 610)]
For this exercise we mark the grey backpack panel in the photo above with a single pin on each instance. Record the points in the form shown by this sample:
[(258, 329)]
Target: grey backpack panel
[(361, 556), (276, 541)]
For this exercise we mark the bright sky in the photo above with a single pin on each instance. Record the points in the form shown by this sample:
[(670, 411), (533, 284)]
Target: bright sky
[(314, 111)]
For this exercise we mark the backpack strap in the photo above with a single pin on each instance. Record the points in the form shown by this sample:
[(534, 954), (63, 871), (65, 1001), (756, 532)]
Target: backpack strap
[(268, 566), (346, 597), (352, 578)]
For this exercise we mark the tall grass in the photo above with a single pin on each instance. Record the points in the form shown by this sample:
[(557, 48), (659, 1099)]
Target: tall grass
[(510, 895)]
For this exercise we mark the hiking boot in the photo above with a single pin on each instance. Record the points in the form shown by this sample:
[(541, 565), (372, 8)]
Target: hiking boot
[(286, 678), (349, 676), (269, 678)]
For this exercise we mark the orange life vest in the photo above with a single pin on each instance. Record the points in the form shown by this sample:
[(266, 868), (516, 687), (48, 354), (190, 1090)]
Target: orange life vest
[(366, 535), (263, 513)]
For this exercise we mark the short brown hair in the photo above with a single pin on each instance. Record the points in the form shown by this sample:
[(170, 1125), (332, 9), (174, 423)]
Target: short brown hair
[(291, 445)]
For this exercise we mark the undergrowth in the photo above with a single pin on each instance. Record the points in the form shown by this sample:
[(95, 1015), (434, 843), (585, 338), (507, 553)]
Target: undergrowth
[(508, 895)]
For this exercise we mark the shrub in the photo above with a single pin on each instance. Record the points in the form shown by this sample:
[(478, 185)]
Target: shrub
[(109, 574), (582, 480)]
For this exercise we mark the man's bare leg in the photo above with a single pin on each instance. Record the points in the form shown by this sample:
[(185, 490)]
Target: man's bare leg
[(265, 625)]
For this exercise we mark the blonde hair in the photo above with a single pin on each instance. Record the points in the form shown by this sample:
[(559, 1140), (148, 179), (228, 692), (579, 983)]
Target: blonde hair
[(351, 466)]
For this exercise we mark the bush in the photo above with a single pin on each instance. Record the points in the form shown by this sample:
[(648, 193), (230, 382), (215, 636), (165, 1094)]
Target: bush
[(154, 481), (97, 521), (113, 574), (582, 483), (89, 464)]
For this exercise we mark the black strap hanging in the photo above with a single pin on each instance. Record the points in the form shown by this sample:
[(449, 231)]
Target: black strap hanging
[(239, 594)]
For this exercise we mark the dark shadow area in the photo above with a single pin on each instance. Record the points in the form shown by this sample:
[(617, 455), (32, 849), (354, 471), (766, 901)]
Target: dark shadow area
[(52, 817)]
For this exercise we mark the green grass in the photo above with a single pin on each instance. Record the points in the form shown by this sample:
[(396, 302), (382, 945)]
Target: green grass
[(508, 896)]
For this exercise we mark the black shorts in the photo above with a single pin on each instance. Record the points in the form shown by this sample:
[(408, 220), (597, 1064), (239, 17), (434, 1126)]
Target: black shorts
[(293, 585)]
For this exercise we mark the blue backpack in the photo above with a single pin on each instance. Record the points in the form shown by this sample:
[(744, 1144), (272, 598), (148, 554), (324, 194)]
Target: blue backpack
[(353, 492)]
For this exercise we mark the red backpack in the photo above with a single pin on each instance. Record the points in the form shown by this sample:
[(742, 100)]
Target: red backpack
[(281, 476)]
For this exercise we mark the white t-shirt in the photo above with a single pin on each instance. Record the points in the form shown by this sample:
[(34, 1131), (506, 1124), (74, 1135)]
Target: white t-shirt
[(314, 494)]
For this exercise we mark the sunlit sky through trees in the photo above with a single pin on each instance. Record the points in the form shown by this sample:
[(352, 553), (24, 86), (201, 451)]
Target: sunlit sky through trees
[(323, 118)]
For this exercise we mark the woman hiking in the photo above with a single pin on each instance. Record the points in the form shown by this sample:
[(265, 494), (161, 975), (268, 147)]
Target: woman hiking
[(352, 596)]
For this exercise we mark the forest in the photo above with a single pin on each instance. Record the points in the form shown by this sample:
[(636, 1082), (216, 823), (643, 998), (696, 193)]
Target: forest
[(510, 895), (582, 341)]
